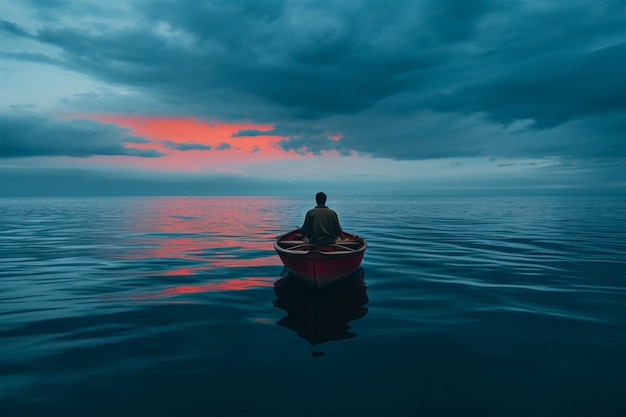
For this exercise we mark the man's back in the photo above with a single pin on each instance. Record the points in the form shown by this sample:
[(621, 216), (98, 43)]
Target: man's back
[(321, 225)]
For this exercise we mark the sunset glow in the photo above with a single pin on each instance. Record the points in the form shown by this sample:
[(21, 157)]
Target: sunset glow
[(190, 144)]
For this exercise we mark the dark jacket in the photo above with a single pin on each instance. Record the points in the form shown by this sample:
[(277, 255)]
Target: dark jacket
[(321, 226)]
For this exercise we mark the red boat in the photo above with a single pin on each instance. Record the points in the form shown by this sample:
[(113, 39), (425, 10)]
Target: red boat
[(320, 265)]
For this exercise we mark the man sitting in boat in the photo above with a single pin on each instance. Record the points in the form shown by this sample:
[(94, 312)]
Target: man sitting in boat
[(321, 224)]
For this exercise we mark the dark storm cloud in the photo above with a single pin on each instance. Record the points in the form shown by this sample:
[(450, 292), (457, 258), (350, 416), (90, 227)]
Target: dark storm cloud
[(252, 132), (33, 135), (300, 139), (307, 59), (14, 29), (311, 144), (402, 79), (550, 92), (280, 130)]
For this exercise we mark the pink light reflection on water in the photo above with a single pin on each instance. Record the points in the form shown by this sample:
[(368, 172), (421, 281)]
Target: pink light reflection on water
[(225, 285), (186, 236)]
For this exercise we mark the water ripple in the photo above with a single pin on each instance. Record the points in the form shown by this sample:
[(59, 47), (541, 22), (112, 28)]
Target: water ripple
[(93, 288)]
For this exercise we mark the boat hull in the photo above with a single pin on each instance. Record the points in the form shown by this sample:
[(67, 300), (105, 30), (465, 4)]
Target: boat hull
[(320, 265)]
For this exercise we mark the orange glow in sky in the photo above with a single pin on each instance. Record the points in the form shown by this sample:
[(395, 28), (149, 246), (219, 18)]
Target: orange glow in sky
[(226, 150)]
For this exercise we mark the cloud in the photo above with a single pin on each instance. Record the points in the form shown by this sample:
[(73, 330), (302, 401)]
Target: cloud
[(311, 144), (550, 92), (304, 59), (186, 146), (223, 146), (14, 29), (30, 135), (405, 80), (31, 57), (301, 139), (23, 106)]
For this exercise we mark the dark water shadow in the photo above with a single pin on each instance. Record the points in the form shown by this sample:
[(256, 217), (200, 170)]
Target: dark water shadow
[(321, 315)]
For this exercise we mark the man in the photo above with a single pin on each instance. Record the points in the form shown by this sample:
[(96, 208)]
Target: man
[(321, 224)]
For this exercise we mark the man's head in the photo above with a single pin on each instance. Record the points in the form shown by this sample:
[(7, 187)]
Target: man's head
[(320, 199)]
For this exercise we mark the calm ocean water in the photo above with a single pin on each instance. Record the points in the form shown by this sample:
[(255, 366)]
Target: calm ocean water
[(179, 306)]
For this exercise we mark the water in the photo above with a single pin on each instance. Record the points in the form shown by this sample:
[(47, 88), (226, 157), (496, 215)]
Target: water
[(177, 306)]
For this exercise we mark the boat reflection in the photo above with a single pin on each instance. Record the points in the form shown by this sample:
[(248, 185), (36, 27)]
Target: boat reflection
[(321, 315)]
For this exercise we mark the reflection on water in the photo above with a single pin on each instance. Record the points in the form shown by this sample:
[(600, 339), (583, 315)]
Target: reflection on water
[(239, 284), (321, 315), (201, 234)]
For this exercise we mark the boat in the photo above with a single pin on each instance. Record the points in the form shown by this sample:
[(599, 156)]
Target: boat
[(320, 265)]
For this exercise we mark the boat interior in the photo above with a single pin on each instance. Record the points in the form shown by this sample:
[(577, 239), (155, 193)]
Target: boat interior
[(338, 246), (294, 241)]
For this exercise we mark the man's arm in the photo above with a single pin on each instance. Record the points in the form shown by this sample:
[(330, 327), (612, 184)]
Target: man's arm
[(306, 227), (336, 226)]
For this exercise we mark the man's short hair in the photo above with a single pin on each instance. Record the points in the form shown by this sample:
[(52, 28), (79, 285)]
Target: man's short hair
[(320, 198)]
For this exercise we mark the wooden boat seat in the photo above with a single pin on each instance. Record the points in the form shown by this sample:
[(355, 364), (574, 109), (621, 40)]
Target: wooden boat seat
[(339, 245), (291, 242), (348, 243)]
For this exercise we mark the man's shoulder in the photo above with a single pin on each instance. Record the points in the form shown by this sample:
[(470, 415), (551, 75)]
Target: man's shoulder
[(322, 209), (312, 212)]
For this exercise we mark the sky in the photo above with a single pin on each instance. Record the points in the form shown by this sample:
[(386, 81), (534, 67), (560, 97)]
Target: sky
[(188, 97)]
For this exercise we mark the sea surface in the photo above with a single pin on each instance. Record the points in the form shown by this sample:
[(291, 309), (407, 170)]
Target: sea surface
[(472, 306)]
